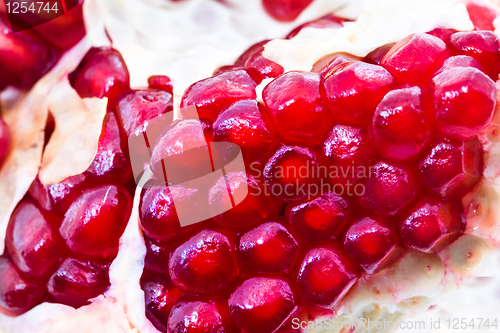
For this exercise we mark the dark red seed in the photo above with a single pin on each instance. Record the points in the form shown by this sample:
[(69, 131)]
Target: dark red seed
[(242, 59), (327, 21), (285, 10), (5, 140), (459, 61), (157, 255), (160, 82), (375, 57), (195, 316), (481, 15), (442, 33), (260, 68), (329, 62)]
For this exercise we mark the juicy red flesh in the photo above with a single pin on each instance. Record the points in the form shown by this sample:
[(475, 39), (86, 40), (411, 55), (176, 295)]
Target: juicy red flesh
[(95, 221), (259, 67), (323, 218), (326, 275), (195, 317), (329, 62), (464, 102), (375, 57), (401, 127), (352, 91), (293, 102), (327, 21), (451, 168), (481, 15), (160, 82), (205, 263), (157, 255), (372, 243), (459, 61), (262, 304), (285, 10), (77, 281), (5, 140), (431, 224), (414, 59)]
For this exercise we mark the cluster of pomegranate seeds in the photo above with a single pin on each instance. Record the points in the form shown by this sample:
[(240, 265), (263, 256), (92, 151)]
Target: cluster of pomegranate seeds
[(285, 10)]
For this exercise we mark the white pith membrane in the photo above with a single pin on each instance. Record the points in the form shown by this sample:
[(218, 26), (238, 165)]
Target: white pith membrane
[(137, 29)]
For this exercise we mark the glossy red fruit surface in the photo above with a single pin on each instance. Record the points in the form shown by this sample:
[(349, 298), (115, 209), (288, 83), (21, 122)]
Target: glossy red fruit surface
[(442, 33), (390, 187), (101, 73), (401, 126), (373, 243), (352, 91), (348, 151), (326, 275), (327, 21), (160, 295), (481, 15), (269, 248), (242, 199), (452, 168), (18, 293), (95, 221), (257, 47), (459, 61), (33, 241), (293, 173), (329, 62), (212, 95), (295, 105), (484, 46), (5, 140), (195, 317), (262, 304), (259, 67), (76, 282), (242, 123), (414, 59), (205, 263), (157, 255), (135, 108), (160, 82), (285, 10), (464, 101), (375, 57), (323, 218), (432, 224)]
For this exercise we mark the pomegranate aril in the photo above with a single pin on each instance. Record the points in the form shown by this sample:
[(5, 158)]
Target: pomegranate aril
[(212, 95), (101, 73), (349, 151), (76, 282), (402, 128), (414, 59), (32, 240), (390, 187), (326, 275), (269, 248), (375, 57), (157, 255), (242, 123), (459, 61), (262, 304), (5, 140), (228, 68), (323, 218), (205, 263), (242, 199), (260, 68), (160, 295), (373, 243), (160, 82), (329, 62), (481, 15), (327, 21), (432, 224), (95, 221), (285, 10), (352, 91), (464, 101), (282, 176), (242, 59), (442, 33), (295, 106), (452, 168), (18, 293), (484, 46)]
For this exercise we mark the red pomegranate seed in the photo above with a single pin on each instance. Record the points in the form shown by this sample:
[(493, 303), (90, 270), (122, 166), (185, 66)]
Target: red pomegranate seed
[(157, 255), (293, 173), (101, 73), (481, 15), (195, 316), (464, 102), (242, 123), (401, 127), (353, 90), (160, 295), (23, 59), (459, 61), (327, 21), (326, 275), (160, 82), (431, 224), (135, 108), (373, 243), (18, 293), (260, 68), (242, 199), (329, 62), (442, 33), (262, 304), (349, 151), (205, 263), (269, 248), (390, 187), (295, 106), (257, 47), (212, 95), (285, 10), (323, 218), (484, 46), (32, 240), (452, 168), (228, 68), (95, 221), (5, 140), (426, 53), (76, 282), (375, 57)]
